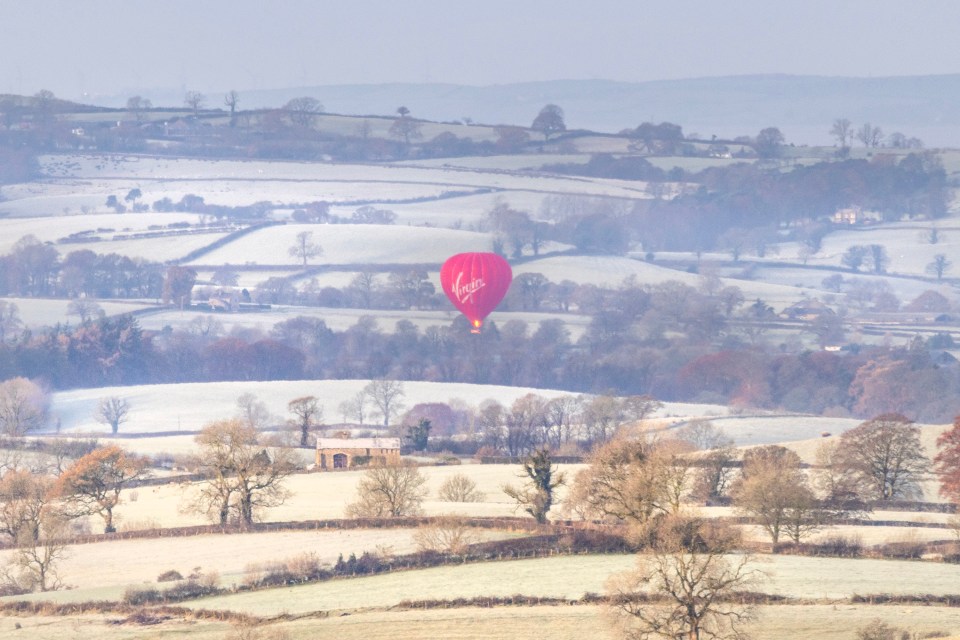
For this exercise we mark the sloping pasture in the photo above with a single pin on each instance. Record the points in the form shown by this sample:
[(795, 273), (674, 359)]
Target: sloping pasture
[(802, 622), (571, 577), (349, 244), (189, 406), (108, 224)]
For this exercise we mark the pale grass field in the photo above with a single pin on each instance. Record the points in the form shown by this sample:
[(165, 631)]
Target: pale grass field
[(102, 570), (321, 496), (572, 576), (802, 622)]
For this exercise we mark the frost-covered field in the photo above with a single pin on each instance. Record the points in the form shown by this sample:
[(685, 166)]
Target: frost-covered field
[(906, 244), (611, 271), (190, 406), (40, 312), (342, 319), (350, 244), (516, 162), (572, 577), (160, 249), (110, 224), (464, 211), (75, 183), (147, 169), (806, 622), (102, 570), (906, 289), (756, 430), (251, 278)]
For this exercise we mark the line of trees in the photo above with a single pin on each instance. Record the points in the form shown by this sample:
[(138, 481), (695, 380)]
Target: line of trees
[(734, 366)]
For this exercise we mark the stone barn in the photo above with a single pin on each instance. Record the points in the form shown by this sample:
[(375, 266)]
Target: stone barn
[(343, 453)]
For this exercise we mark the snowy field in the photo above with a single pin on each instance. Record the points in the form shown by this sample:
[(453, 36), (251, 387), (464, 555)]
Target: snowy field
[(513, 162), (349, 244), (906, 289), (148, 169), (611, 271), (110, 224), (467, 212), (343, 319), (190, 406), (78, 183), (161, 249), (36, 313), (906, 244)]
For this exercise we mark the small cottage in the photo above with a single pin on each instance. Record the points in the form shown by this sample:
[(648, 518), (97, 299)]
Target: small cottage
[(343, 453)]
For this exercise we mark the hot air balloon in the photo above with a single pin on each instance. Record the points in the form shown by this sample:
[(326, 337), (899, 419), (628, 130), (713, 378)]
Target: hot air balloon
[(475, 284)]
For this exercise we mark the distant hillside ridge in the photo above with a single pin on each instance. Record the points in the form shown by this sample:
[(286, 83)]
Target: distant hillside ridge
[(802, 107)]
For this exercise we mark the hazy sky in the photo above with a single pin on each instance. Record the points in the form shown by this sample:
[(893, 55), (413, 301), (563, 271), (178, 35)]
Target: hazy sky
[(121, 47)]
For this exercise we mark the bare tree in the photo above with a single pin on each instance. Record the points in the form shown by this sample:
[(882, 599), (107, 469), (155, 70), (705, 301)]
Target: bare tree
[(25, 501), (602, 416), (686, 586), (842, 130), (242, 475), (23, 406), (448, 534), (37, 558), (86, 308), (253, 411), (833, 479), (390, 491), (137, 106), (885, 456), (305, 248), (536, 497), (714, 470), (460, 488), (939, 265), (307, 413), (232, 99), (704, 435), (387, 396), (774, 491), (303, 111), (631, 480), (112, 411), (10, 321), (92, 484), (354, 408), (195, 100), (869, 135)]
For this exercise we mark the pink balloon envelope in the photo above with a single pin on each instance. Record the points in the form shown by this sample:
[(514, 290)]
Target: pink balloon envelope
[(475, 284)]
